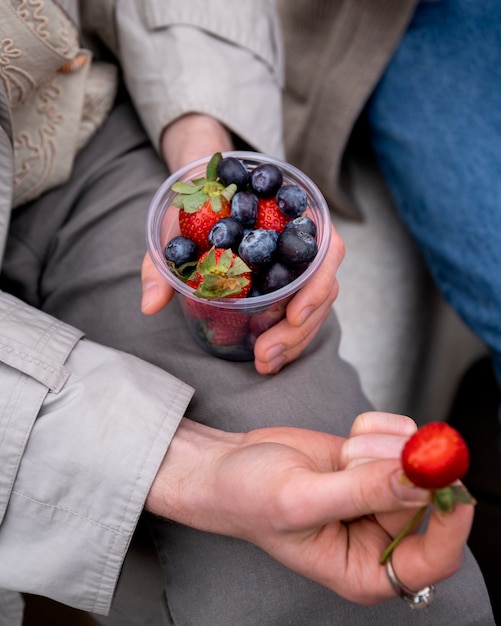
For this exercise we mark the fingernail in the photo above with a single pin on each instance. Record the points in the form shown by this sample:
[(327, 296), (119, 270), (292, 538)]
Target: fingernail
[(275, 358), (276, 364), (305, 314), (150, 291), (407, 492)]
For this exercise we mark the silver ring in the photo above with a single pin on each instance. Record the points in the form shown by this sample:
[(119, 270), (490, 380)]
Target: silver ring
[(415, 599)]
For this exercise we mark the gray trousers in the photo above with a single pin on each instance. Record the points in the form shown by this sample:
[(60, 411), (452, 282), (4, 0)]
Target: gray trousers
[(76, 253)]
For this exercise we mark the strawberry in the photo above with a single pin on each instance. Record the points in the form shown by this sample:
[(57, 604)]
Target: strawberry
[(226, 317), (269, 216), (202, 203), (197, 224), (196, 309), (222, 274), (221, 335), (433, 458)]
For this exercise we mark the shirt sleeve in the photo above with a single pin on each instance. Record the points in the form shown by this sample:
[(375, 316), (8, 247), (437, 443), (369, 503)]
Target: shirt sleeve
[(83, 430), (218, 57)]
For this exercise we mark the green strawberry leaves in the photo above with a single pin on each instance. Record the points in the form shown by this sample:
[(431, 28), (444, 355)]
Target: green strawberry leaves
[(186, 188), (222, 275), (191, 196), (192, 201), (220, 287), (183, 272), (445, 499), (211, 170)]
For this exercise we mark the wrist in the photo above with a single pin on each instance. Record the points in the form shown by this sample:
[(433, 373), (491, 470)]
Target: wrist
[(185, 488), (192, 136)]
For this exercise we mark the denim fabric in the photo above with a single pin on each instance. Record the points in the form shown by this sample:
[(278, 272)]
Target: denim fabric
[(435, 120)]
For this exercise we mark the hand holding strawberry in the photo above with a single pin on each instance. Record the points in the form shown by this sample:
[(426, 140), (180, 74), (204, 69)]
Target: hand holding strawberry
[(319, 504), (433, 458)]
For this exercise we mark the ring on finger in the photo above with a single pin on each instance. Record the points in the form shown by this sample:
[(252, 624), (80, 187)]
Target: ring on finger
[(420, 599)]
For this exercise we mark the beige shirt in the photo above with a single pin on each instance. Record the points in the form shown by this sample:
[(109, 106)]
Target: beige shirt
[(60, 92), (176, 56)]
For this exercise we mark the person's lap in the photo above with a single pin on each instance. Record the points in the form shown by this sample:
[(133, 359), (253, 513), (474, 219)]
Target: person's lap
[(435, 120), (76, 253)]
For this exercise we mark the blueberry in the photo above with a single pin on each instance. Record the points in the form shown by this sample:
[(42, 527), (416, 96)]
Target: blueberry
[(292, 200), (244, 207), (304, 223), (296, 248), (226, 233), (255, 290), (231, 170), (258, 247), (265, 180), (180, 250), (276, 277)]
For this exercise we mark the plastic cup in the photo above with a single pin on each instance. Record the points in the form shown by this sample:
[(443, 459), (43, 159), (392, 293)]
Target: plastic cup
[(228, 327)]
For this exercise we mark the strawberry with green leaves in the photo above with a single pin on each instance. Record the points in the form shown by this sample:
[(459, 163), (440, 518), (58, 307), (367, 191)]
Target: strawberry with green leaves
[(436, 457), (220, 273), (202, 203)]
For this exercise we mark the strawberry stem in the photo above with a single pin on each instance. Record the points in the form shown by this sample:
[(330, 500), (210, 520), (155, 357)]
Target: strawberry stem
[(402, 533)]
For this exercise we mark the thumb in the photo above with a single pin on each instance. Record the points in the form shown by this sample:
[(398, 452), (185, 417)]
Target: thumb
[(157, 293), (365, 489)]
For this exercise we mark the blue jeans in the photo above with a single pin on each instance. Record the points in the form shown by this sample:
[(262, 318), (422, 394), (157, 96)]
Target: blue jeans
[(435, 120)]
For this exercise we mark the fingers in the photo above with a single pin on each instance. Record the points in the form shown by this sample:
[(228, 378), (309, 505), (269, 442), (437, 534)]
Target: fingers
[(365, 448), (383, 422), (157, 293), (428, 558), (446, 536), (283, 343), (306, 312), (322, 288), (376, 435)]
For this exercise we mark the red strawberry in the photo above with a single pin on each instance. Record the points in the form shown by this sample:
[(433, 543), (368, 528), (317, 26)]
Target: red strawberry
[(197, 224), (219, 334), (225, 317), (202, 203), (269, 216), (435, 456), (196, 308), (222, 274)]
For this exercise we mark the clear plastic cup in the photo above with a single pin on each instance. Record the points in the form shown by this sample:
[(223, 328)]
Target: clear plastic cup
[(228, 327)]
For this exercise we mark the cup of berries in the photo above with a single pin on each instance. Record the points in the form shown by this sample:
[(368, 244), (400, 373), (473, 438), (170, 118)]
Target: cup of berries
[(236, 235)]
